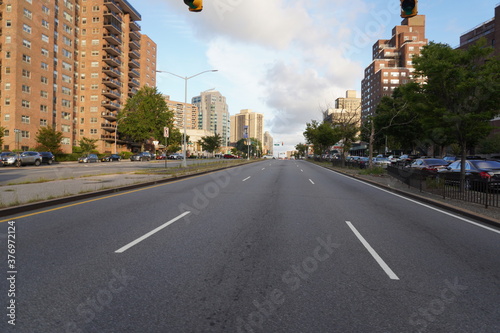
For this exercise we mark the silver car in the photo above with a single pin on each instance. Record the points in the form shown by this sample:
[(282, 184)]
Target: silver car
[(24, 158)]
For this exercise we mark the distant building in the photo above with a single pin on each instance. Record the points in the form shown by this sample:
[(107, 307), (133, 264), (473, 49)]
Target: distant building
[(213, 114), (392, 63), (178, 109), (347, 110), (268, 144), (254, 121)]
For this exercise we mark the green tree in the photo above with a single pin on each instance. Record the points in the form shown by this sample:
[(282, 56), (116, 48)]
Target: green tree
[(2, 134), (321, 136), (145, 115), (211, 143), (301, 149), (462, 88), (49, 139), (243, 148), (490, 145), (87, 145)]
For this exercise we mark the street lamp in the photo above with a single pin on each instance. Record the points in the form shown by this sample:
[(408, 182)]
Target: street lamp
[(116, 131), (185, 78)]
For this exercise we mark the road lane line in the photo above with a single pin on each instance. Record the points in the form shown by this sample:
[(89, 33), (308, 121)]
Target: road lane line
[(152, 232), (374, 254), (263, 168), (418, 203), (301, 170), (247, 178), (311, 181)]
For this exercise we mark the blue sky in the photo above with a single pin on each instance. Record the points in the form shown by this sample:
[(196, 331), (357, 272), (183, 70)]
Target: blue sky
[(287, 59)]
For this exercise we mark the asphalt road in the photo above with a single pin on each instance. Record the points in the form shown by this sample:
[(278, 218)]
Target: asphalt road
[(276, 246), (9, 174)]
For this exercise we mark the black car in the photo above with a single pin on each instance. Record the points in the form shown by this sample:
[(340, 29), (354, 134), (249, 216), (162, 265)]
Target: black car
[(47, 157), (111, 158), (144, 156), (476, 171)]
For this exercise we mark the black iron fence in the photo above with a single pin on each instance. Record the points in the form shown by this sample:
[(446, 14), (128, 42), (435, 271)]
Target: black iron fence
[(476, 190)]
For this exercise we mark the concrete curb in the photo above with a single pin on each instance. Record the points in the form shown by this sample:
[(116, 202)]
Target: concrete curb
[(72, 198), (454, 209)]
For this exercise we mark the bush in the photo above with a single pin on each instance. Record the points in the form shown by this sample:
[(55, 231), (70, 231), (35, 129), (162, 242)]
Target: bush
[(373, 171)]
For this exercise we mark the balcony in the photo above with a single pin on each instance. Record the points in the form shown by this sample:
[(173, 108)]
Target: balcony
[(133, 83), (134, 54), (134, 73), (111, 49), (128, 9), (113, 27), (109, 127), (132, 92), (108, 13), (135, 35), (111, 116), (134, 45), (134, 63), (111, 94), (113, 84), (112, 72), (108, 137), (111, 61), (113, 39), (134, 26), (110, 105), (113, 6)]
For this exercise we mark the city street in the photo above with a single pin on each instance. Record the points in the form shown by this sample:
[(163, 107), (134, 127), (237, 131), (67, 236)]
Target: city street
[(274, 246)]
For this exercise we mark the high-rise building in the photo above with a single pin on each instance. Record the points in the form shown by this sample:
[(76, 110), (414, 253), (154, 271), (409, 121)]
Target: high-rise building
[(71, 65), (213, 114), (268, 144), (178, 109), (249, 122), (347, 110), (392, 63)]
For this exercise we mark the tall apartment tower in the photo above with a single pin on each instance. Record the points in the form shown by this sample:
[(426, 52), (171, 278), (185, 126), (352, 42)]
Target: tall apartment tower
[(69, 64), (213, 114), (178, 109), (489, 30), (392, 62), (268, 144), (254, 121)]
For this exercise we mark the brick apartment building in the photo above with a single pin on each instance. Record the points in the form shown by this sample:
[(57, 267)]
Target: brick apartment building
[(71, 64)]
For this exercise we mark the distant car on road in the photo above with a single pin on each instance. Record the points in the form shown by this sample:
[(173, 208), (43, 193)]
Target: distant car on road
[(111, 158), (268, 157), (230, 156), (175, 156), (47, 157), (88, 158), (144, 156)]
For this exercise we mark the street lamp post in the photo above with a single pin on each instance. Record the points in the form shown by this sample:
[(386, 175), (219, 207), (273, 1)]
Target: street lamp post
[(185, 78), (116, 131)]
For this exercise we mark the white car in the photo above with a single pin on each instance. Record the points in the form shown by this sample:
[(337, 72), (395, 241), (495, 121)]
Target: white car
[(268, 157)]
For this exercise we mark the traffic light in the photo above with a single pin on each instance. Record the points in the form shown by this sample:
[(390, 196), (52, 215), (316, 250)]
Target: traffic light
[(409, 8), (194, 5)]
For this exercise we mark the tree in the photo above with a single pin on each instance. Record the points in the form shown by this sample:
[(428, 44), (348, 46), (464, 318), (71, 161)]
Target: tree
[(490, 145), (302, 149), (321, 135), (145, 115), (2, 134), (462, 88), (87, 145), (211, 143), (49, 139), (346, 126), (254, 149)]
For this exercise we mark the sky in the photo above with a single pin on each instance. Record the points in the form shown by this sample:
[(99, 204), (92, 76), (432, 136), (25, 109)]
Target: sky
[(287, 59)]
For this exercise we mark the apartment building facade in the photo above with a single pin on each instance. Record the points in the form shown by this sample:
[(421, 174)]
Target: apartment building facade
[(178, 108), (70, 64), (392, 63), (213, 114), (247, 122)]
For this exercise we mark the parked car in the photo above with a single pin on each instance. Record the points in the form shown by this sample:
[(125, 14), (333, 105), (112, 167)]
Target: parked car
[(88, 158), (475, 172), (175, 156), (431, 165), (47, 157), (144, 156), (450, 159), (161, 157), (230, 156), (268, 157), (23, 158), (381, 162), (111, 158), (363, 162)]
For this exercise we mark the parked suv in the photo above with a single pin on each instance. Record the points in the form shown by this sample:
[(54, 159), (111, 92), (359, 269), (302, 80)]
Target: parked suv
[(24, 158), (47, 157), (144, 156)]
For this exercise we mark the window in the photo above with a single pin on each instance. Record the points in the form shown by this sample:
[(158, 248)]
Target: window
[(45, 24), (8, 23), (93, 109), (94, 75), (84, 32), (394, 81), (83, 54), (82, 120), (26, 28), (45, 66), (94, 98), (26, 58), (95, 19), (25, 134), (43, 108), (95, 53), (66, 115), (7, 54), (8, 39), (45, 38), (94, 86), (7, 101), (8, 8), (68, 17), (44, 80), (25, 103), (67, 53), (45, 9), (65, 141), (66, 66), (93, 120), (67, 41), (66, 78), (45, 52), (25, 119), (43, 122), (7, 70), (66, 103), (93, 131), (44, 94), (94, 64), (6, 117), (95, 30), (27, 13), (65, 128), (95, 41), (67, 28), (26, 89), (26, 73), (66, 91), (95, 8)]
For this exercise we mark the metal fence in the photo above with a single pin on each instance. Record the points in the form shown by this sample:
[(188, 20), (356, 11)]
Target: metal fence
[(481, 191)]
